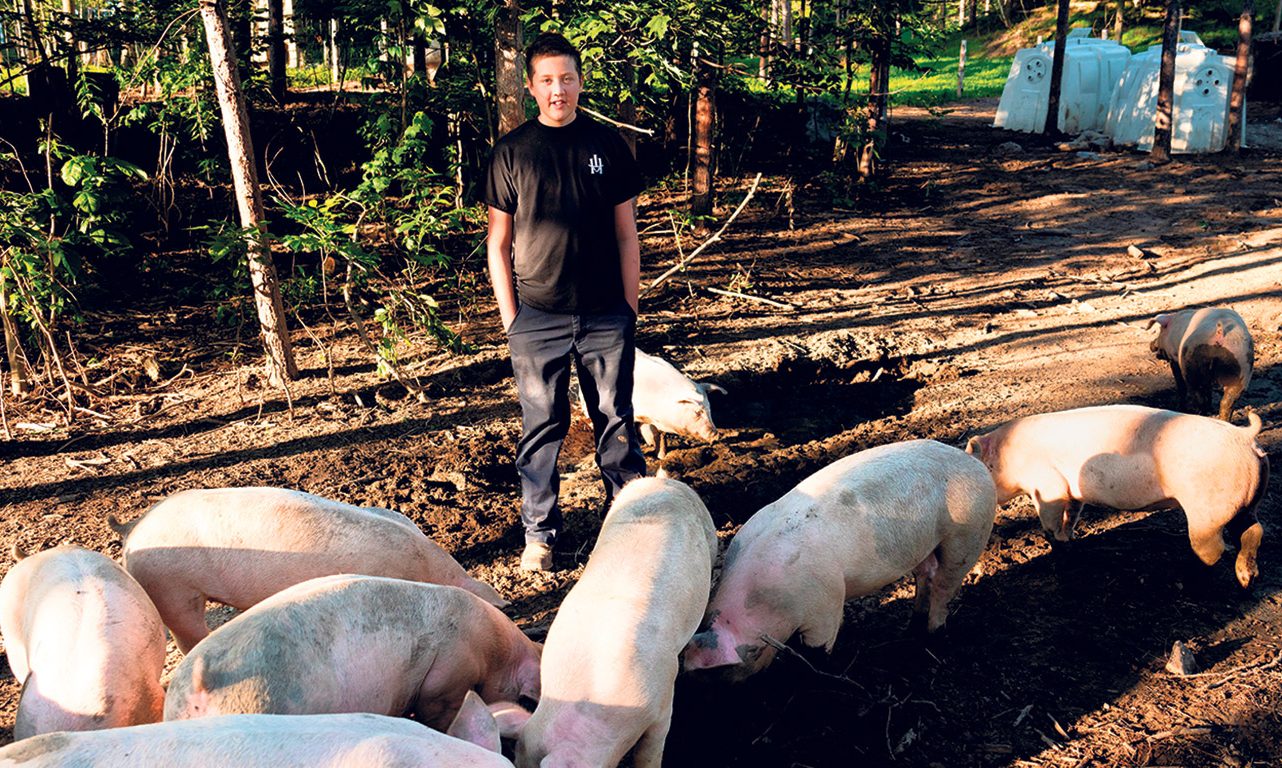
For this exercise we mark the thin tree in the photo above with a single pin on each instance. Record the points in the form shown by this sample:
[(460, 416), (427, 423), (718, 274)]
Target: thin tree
[(276, 82), (1057, 69), (1237, 96), (249, 199), (508, 93), (705, 86), (878, 88), (1163, 119)]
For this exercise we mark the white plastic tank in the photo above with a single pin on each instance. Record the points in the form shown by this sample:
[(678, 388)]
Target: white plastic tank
[(1203, 79), (1092, 68)]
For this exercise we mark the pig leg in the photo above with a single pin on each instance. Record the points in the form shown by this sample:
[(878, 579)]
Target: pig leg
[(1181, 389), (184, 614), (649, 749), (1231, 393), (926, 571), (1205, 535), (1246, 530)]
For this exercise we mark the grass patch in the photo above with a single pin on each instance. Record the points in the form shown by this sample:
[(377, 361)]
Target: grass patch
[(936, 82)]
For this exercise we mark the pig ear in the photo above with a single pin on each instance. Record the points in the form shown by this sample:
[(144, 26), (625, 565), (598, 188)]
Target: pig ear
[(1161, 321), (474, 723), (975, 446), (18, 552), (511, 718), (706, 386)]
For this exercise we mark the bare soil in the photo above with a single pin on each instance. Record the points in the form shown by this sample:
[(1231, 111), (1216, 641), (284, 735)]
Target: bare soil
[(977, 285)]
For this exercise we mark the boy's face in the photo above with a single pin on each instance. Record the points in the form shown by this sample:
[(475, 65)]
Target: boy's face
[(555, 85)]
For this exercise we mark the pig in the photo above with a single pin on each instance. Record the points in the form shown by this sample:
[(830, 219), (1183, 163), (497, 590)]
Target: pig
[(83, 640), (666, 401), (1130, 457), (1206, 347), (357, 644), (612, 653), (238, 546), (848, 530), (273, 741)]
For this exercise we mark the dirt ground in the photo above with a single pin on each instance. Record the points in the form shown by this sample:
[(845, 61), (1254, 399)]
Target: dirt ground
[(979, 284)]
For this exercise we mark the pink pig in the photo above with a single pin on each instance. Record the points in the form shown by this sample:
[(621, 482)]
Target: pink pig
[(848, 530), (273, 741), (357, 644), (613, 650), (239, 546), (1132, 457), (84, 641), (1206, 347)]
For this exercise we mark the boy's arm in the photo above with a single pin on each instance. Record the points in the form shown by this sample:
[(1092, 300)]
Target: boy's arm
[(498, 251), (625, 231)]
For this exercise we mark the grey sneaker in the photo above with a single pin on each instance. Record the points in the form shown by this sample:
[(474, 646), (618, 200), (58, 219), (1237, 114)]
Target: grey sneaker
[(536, 557)]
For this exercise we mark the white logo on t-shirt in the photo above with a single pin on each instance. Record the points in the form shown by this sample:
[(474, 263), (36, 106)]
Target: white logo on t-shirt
[(596, 166)]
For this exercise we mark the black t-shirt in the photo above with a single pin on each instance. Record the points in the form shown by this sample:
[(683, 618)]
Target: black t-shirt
[(561, 185)]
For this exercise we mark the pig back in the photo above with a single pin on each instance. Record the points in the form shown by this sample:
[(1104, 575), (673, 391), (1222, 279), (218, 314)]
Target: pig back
[(83, 637), (643, 591), (242, 545), (335, 644), (868, 519), (255, 741)]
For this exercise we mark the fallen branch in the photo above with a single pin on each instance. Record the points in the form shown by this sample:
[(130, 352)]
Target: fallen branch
[(738, 295), (1230, 672), (778, 646), (682, 264), (616, 123)]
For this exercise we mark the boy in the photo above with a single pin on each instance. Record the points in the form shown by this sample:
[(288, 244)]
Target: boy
[(560, 190)]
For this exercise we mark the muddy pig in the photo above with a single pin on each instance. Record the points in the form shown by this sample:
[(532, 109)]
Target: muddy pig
[(272, 741), (239, 546), (357, 644), (612, 653), (1206, 347), (84, 641), (1130, 457), (848, 530)]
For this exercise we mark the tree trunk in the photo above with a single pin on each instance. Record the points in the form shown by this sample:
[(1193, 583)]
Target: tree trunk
[(1057, 69), (508, 94), (73, 49), (276, 82), (19, 381), (878, 73), (249, 200), (291, 40), (335, 55), (1162, 119), (1237, 96), (961, 13), (701, 192), (1119, 20), (785, 22)]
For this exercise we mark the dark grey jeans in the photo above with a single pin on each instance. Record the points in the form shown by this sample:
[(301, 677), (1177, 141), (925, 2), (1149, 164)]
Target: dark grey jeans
[(543, 344)]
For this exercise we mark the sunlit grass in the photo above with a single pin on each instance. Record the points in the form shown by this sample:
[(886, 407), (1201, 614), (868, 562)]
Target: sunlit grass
[(17, 85)]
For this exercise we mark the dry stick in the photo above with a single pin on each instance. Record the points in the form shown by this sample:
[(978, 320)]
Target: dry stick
[(616, 123), (749, 297), (1230, 672), (4, 417), (778, 646), (682, 264)]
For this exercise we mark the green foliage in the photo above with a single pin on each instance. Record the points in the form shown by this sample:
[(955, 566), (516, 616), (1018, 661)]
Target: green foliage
[(48, 238)]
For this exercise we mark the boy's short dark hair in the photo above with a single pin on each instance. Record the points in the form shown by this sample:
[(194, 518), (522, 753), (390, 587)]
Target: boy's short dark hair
[(550, 44)]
